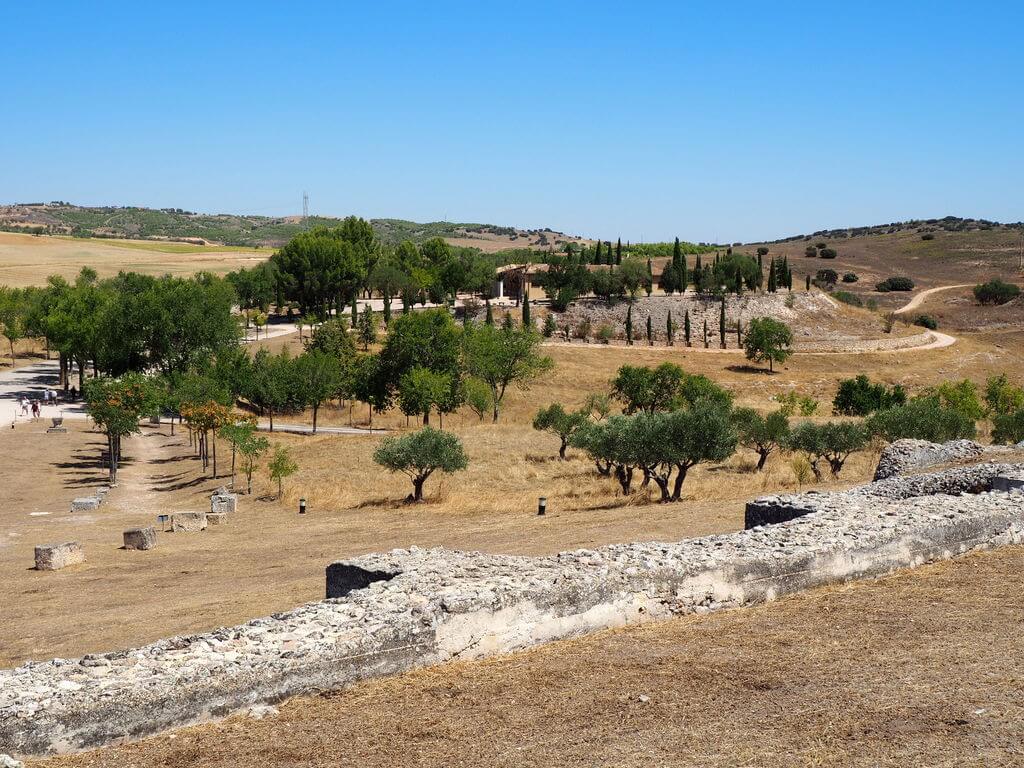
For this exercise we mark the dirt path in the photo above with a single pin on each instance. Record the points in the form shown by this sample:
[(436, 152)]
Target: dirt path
[(918, 299)]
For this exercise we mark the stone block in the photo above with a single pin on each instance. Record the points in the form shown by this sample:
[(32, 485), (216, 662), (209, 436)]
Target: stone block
[(217, 518), (224, 502), (188, 522), (85, 504), (53, 557), (140, 538)]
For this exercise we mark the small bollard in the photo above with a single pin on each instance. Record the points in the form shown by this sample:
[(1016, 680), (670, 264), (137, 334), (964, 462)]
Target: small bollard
[(302, 506), (542, 505)]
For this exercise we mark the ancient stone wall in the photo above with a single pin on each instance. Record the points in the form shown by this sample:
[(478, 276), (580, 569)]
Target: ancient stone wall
[(391, 612)]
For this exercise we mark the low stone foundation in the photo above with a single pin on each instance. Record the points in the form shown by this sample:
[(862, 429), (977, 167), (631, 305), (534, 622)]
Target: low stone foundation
[(53, 557), (140, 538), (388, 613)]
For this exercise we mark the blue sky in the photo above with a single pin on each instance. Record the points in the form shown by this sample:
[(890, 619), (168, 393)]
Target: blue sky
[(711, 121)]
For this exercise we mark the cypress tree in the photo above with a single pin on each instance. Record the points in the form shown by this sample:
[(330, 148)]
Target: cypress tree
[(789, 279), (650, 278), (650, 332), (686, 327), (355, 313), (618, 251), (387, 309), (808, 283), (771, 278), (760, 262), (721, 324), (670, 332), (526, 313), (597, 253), (489, 317), (705, 333), (677, 254), (739, 281), (683, 277), (506, 322), (629, 325)]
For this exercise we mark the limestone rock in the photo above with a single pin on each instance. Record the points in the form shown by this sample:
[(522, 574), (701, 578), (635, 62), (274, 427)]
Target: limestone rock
[(140, 538), (904, 456), (188, 522), (53, 557), (217, 518), (222, 501), (6, 761), (85, 504)]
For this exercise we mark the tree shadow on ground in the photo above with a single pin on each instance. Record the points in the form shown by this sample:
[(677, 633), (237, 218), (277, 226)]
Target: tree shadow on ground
[(749, 369)]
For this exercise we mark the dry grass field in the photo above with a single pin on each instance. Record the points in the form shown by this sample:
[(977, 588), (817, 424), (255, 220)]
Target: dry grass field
[(29, 260), (922, 667)]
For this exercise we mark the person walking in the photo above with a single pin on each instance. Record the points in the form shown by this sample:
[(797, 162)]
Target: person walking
[(24, 406), (35, 409)]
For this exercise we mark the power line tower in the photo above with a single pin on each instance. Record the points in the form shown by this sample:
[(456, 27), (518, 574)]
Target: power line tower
[(305, 206)]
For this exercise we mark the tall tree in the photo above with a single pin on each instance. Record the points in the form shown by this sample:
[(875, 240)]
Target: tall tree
[(502, 358)]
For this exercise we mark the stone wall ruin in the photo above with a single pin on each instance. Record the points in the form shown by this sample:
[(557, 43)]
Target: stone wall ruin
[(391, 612)]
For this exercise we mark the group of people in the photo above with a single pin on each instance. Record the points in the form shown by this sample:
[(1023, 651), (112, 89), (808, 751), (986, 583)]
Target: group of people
[(33, 407)]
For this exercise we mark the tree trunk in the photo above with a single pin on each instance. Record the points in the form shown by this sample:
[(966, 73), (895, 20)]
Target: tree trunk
[(233, 450), (816, 470), (271, 412), (762, 458), (677, 491), (316, 409), (417, 487), (662, 482), (426, 418), (561, 450), (214, 438), (625, 477)]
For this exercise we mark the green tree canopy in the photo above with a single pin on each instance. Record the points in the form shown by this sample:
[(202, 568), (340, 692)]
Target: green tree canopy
[(419, 454)]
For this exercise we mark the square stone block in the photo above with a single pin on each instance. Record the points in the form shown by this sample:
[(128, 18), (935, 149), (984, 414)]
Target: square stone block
[(217, 518), (224, 502), (140, 538), (188, 522), (85, 504), (53, 557)]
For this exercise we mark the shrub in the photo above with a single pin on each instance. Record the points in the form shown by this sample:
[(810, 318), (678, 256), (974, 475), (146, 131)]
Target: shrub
[(848, 298), (921, 419), (928, 236), (810, 252), (828, 253), (582, 331), (1001, 396), (549, 327), (826, 276), (961, 396), (605, 333), (895, 284), (419, 454), (762, 434), (1008, 428), (859, 397), (850, 277), (926, 321), (996, 292), (792, 402)]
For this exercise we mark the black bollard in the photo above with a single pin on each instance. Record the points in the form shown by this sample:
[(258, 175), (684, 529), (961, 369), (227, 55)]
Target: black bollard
[(302, 506), (542, 505)]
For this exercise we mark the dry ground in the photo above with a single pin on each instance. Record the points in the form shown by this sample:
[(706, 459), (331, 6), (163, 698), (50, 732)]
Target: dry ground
[(29, 260), (924, 667), (269, 559)]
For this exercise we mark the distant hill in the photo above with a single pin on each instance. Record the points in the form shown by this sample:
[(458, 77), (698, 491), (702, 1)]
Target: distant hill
[(921, 226), (61, 218)]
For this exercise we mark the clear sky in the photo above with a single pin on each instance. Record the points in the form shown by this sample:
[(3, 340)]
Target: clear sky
[(711, 121)]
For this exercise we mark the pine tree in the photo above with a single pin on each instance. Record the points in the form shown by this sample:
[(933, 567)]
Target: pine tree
[(721, 324), (489, 317), (650, 332), (629, 325), (670, 332), (686, 327)]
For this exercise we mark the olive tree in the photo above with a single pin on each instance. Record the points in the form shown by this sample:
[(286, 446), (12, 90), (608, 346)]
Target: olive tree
[(832, 442), (561, 423), (762, 434), (419, 454)]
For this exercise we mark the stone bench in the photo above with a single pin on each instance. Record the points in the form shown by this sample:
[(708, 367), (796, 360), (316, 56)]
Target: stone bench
[(140, 538), (53, 557), (188, 522)]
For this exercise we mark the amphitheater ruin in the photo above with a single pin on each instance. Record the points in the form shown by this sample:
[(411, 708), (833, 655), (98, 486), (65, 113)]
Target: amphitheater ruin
[(387, 613)]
